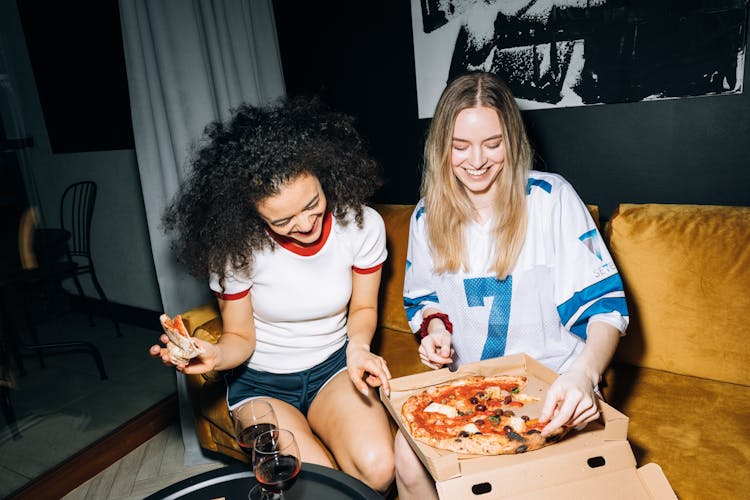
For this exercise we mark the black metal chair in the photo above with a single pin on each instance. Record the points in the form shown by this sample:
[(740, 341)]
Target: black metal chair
[(76, 213), (40, 275), (21, 285)]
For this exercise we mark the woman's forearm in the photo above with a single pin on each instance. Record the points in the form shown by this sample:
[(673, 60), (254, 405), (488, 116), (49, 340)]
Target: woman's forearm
[(232, 350), (601, 342), (237, 342), (361, 326), (363, 309)]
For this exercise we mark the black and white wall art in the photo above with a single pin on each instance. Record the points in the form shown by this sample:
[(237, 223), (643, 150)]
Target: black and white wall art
[(559, 53)]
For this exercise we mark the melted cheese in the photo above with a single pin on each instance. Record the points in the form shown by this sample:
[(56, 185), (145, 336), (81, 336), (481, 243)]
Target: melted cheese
[(493, 392), (517, 424), (446, 410), (471, 429), (524, 398)]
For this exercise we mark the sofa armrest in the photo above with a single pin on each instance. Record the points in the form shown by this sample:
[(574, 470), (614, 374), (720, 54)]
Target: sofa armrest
[(210, 332), (207, 392), (198, 316)]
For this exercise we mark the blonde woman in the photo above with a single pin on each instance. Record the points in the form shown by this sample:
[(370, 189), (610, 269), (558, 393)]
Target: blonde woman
[(503, 259)]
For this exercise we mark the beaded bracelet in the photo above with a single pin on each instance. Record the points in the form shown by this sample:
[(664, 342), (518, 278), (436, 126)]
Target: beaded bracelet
[(426, 321)]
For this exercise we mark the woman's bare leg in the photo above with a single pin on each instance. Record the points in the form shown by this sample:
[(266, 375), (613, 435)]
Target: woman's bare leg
[(412, 479), (356, 429)]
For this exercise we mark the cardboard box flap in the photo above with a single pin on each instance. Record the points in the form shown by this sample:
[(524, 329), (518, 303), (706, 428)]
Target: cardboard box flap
[(627, 484), (655, 482), (544, 472)]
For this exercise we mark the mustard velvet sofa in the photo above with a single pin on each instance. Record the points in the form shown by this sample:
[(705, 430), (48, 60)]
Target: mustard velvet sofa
[(680, 374)]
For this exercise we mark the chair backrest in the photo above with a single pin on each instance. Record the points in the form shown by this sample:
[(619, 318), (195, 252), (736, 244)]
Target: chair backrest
[(76, 212)]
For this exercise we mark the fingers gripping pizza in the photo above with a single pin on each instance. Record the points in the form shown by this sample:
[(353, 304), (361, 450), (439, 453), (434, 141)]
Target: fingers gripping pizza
[(477, 415), (182, 348)]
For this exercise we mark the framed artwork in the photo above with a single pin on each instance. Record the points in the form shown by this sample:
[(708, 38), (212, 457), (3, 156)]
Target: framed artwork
[(560, 53)]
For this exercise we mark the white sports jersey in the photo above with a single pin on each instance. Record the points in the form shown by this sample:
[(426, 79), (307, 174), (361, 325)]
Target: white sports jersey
[(301, 296), (563, 279)]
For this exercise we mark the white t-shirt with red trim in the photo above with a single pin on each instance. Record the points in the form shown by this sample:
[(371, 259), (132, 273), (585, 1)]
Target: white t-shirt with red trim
[(301, 296)]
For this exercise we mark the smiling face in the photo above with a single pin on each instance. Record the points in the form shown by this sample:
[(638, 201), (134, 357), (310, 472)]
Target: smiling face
[(478, 151), (297, 211)]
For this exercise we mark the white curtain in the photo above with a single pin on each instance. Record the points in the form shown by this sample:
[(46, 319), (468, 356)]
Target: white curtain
[(190, 62)]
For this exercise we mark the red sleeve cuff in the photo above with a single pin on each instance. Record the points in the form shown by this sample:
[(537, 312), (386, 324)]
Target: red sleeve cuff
[(232, 296), (368, 270)]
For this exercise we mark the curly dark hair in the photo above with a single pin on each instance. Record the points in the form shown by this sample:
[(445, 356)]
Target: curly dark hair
[(252, 156)]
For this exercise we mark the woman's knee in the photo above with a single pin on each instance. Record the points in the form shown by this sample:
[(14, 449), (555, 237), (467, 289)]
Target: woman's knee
[(376, 465)]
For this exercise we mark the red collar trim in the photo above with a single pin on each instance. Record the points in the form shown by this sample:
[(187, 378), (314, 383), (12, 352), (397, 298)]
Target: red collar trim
[(308, 250)]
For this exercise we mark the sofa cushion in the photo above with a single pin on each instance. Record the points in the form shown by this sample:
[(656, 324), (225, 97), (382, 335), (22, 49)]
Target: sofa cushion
[(695, 429), (686, 270), (391, 312), (400, 351), (198, 316), (210, 331), (594, 211)]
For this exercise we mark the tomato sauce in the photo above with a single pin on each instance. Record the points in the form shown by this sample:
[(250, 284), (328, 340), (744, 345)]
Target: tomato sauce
[(486, 414)]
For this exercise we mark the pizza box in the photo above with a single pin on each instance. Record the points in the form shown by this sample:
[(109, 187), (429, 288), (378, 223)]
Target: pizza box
[(595, 462)]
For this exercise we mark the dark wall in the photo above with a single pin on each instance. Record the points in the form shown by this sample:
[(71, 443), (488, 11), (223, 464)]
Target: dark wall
[(77, 56), (360, 59)]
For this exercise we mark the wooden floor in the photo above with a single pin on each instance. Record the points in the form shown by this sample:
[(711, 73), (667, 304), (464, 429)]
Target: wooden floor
[(155, 464)]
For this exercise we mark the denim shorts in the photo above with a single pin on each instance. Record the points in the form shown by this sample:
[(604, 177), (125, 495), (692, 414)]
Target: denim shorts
[(298, 389)]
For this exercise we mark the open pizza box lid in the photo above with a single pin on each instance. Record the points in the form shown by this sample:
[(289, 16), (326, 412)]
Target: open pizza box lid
[(596, 462)]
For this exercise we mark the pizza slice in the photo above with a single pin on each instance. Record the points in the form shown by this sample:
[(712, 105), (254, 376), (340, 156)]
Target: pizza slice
[(181, 347)]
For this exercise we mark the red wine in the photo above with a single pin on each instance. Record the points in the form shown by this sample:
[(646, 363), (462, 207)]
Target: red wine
[(278, 473), (246, 439)]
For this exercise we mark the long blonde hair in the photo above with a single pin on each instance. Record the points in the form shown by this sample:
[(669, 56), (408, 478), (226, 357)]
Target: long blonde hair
[(447, 205)]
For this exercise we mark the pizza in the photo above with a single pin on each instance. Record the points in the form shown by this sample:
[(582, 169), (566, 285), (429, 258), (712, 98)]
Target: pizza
[(477, 415), (182, 347)]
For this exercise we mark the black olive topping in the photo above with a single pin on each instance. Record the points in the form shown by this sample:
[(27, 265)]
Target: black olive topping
[(515, 436)]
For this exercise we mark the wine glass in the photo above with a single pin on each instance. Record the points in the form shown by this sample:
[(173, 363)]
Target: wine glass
[(251, 419), (277, 464)]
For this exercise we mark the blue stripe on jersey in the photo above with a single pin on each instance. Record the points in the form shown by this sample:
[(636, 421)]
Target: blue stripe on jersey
[(477, 289), (413, 306), (567, 309), (408, 264), (420, 213), (588, 234), (592, 241), (606, 305), (538, 183)]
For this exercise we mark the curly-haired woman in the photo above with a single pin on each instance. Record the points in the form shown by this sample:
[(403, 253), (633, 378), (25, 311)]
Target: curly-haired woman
[(273, 212)]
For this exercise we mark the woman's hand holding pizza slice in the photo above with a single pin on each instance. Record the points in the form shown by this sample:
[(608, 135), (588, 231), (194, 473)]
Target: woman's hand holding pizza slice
[(182, 350), (570, 402)]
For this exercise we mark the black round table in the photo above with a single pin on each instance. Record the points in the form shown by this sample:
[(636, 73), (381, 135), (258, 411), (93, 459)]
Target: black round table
[(234, 483)]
